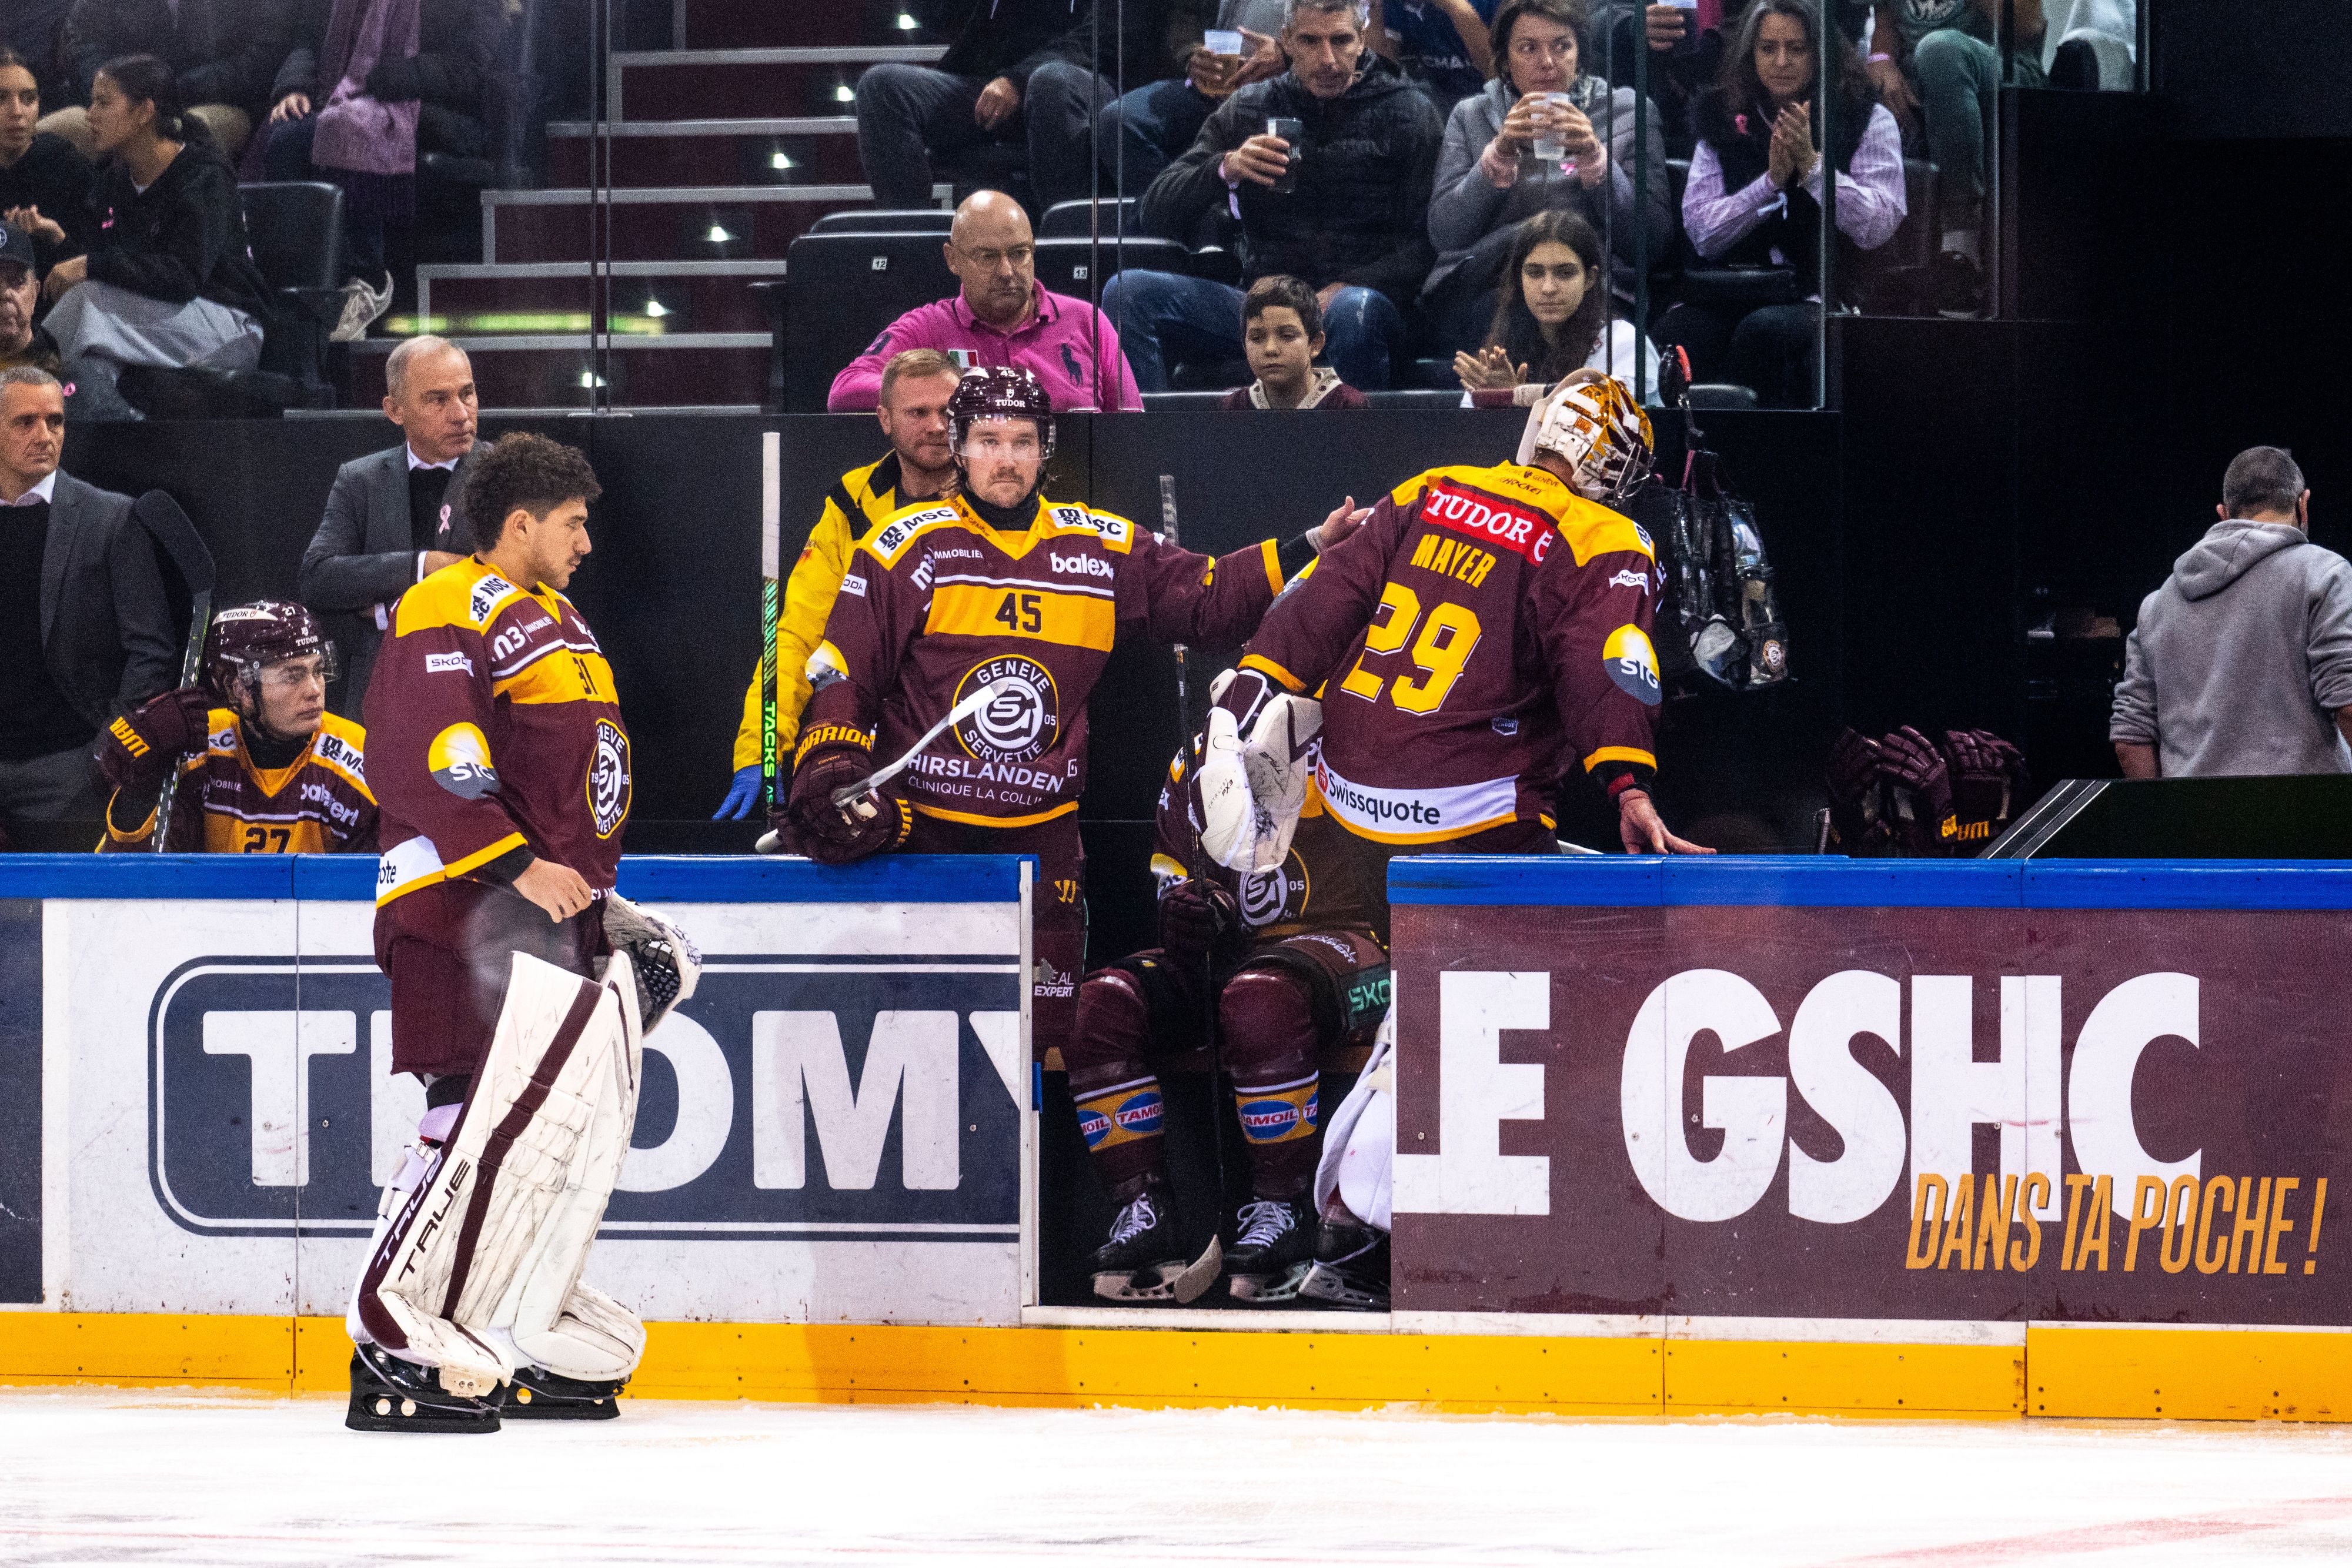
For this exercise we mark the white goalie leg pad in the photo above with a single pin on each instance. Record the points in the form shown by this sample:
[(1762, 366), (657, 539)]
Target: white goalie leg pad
[(418, 1162), (1359, 1142), (496, 1214), (1253, 789)]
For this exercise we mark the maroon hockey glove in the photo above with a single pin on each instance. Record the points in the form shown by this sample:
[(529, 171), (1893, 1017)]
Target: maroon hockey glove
[(1921, 787), (1986, 771), (137, 750), (812, 825), (1855, 807), (1198, 917)]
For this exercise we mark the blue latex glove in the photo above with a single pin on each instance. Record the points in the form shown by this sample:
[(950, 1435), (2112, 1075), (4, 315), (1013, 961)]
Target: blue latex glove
[(741, 796)]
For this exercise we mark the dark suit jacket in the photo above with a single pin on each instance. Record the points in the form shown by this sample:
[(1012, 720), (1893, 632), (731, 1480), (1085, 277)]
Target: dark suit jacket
[(104, 622), (361, 555)]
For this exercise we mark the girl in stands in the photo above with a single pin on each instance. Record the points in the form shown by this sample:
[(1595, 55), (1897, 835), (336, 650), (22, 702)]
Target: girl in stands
[(168, 281), (1553, 315), (44, 182)]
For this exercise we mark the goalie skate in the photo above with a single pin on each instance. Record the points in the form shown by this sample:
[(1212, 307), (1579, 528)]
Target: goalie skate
[(389, 1395)]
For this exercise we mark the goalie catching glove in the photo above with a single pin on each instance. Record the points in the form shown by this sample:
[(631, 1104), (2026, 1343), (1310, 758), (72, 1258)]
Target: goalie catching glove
[(1253, 789)]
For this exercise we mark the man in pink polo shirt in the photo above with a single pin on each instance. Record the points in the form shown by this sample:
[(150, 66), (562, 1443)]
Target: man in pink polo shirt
[(1003, 316)]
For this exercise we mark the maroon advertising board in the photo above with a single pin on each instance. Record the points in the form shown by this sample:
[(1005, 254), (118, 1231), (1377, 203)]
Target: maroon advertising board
[(2085, 1114)]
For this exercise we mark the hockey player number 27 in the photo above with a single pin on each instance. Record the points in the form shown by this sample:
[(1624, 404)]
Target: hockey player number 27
[(1449, 635)]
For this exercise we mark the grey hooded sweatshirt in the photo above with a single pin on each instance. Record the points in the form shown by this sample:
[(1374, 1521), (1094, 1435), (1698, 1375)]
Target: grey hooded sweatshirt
[(2240, 660)]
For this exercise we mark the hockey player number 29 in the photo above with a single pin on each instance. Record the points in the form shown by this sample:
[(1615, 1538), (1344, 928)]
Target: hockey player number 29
[(1448, 637)]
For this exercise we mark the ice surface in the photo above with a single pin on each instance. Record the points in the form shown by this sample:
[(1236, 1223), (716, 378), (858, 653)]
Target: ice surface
[(89, 1477)]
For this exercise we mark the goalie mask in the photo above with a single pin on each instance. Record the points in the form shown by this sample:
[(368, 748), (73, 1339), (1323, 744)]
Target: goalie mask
[(1597, 428)]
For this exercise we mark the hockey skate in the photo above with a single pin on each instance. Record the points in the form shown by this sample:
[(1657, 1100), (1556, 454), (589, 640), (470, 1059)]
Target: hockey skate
[(1351, 1266), (539, 1395), (390, 1395), (1272, 1250), (1142, 1262)]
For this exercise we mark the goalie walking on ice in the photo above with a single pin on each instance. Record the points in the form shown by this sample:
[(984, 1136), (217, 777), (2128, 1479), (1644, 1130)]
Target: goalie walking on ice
[(521, 984)]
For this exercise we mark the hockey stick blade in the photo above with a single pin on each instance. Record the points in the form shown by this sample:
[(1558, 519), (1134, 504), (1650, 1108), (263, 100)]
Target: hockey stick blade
[(955, 716)]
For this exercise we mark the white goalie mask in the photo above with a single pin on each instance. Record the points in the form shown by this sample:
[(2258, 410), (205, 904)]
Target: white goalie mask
[(1595, 424)]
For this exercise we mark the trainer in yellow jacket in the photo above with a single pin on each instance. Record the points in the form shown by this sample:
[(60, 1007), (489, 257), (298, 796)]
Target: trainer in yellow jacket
[(913, 413)]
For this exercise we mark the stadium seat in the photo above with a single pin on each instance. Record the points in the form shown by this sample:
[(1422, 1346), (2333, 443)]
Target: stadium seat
[(840, 291), (1075, 220), (885, 221), (1079, 267), (1899, 284)]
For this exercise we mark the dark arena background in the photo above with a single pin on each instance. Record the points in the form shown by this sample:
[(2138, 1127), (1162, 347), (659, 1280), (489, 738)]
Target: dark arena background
[(2042, 1138)]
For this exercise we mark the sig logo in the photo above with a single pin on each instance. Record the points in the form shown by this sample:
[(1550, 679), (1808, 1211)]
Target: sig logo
[(608, 778), (816, 1094), (459, 759), (1631, 662), (1020, 723)]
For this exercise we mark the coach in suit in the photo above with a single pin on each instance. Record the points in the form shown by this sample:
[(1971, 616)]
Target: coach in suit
[(84, 629), (396, 518)]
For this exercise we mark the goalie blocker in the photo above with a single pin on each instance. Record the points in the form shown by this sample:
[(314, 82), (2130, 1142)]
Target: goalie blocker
[(473, 1280)]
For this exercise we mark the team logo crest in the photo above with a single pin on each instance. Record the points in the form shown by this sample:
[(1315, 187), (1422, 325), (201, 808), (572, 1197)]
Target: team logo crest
[(1269, 898), (1631, 662), (1020, 723), (608, 778)]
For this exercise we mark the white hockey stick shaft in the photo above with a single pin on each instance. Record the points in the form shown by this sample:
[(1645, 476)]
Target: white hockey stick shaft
[(955, 716)]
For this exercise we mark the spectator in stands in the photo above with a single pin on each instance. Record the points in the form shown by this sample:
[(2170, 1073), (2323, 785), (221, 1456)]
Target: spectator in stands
[(169, 281), (1754, 198), (1012, 75), (1935, 61), (360, 112), (2241, 662), (1282, 331), (1346, 209), (1489, 180), (45, 184), (915, 386), (85, 634), (1142, 131), (23, 341), (395, 517), (218, 55), (1553, 314), (1001, 316), (1442, 45)]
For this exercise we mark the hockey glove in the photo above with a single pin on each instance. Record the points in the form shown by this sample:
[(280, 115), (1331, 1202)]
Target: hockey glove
[(1198, 917), (1921, 787), (1854, 810), (137, 750), (1988, 777), (812, 825)]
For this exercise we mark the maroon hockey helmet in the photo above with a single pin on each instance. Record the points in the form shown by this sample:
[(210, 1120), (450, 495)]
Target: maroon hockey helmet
[(245, 640), (1000, 392)]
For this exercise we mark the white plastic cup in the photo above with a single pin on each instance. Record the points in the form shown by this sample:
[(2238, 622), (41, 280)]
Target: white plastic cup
[(1228, 44), (1548, 147)]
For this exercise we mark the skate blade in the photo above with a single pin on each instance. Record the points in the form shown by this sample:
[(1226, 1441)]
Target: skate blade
[(1173, 1282), (1269, 1289), (523, 1405), (1331, 1288), (391, 1412)]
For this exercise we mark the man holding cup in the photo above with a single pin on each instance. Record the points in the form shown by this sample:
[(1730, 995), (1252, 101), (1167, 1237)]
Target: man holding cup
[(1142, 132), (1329, 168)]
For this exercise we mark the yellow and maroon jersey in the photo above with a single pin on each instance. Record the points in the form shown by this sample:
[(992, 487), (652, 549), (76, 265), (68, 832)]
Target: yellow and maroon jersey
[(936, 604), (495, 728), (227, 804), (1486, 631)]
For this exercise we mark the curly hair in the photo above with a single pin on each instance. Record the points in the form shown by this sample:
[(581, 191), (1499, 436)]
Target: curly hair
[(524, 472)]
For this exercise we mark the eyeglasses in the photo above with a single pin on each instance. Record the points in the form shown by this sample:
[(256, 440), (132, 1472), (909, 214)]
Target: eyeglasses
[(1019, 256)]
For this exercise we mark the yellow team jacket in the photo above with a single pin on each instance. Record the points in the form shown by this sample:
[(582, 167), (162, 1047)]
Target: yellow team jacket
[(858, 502)]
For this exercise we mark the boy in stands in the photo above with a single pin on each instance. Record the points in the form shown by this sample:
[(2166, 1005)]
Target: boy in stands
[(1282, 333), (264, 767)]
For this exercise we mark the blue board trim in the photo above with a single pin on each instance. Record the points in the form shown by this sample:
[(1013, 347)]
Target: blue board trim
[(678, 879), (1620, 881)]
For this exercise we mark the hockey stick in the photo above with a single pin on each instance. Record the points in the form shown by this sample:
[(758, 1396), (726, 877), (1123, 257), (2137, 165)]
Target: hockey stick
[(771, 551), (177, 536), (1204, 1268), (769, 843)]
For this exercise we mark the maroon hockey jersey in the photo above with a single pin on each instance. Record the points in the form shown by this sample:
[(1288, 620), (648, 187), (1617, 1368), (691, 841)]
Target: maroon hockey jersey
[(1486, 630), (493, 726), (229, 804), (937, 604)]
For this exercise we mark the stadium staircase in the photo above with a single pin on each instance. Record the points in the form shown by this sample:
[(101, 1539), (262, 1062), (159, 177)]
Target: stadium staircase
[(723, 148)]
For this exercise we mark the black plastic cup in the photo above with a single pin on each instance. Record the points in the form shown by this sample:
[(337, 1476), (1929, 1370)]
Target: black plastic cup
[(1295, 132)]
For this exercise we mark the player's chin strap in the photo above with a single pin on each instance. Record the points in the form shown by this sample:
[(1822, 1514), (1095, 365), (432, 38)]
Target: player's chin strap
[(1252, 790), (480, 1272)]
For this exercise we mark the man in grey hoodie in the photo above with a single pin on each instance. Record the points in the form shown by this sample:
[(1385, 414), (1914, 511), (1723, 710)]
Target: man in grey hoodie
[(2242, 662)]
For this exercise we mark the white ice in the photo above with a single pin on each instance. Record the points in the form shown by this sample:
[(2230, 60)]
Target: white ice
[(92, 1477)]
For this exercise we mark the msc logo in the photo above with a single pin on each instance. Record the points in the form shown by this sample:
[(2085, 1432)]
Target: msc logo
[(485, 596), (1082, 565), (795, 1094)]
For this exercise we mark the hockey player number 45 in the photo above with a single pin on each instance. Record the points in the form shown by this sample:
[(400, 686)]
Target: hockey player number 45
[(1022, 612), (1449, 635)]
